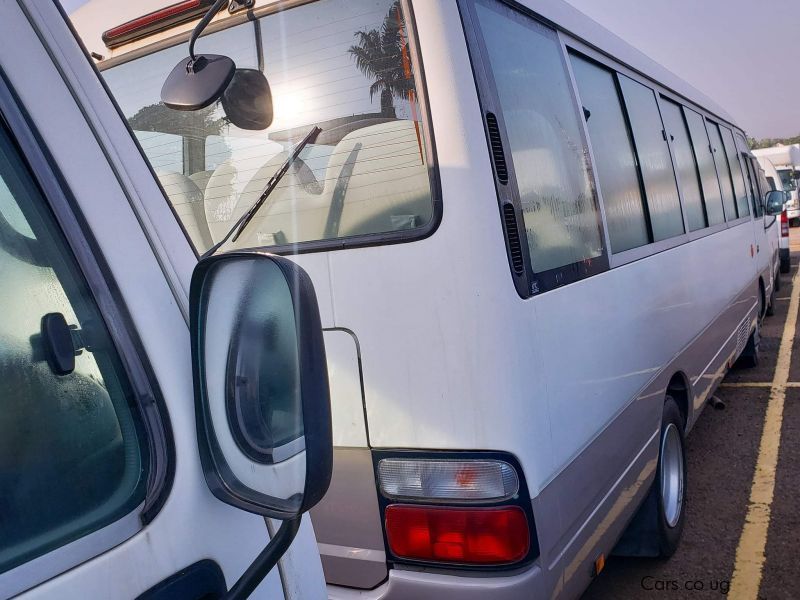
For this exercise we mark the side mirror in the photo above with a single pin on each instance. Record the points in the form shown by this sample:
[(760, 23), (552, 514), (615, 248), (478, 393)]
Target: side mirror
[(775, 201), (247, 101), (261, 389)]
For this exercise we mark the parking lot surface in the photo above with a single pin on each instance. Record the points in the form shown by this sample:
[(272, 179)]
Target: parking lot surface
[(742, 533)]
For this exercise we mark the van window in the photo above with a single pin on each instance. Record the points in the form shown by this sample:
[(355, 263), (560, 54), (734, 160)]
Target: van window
[(547, 146), (732, 155), (614, 159), (723, 171), (73, 456), (771, 182), (705, 162), (787, 179), (661, 189), (343, 65), (688, 172)]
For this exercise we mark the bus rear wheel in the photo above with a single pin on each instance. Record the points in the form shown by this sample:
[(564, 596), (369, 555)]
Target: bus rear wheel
[(657, 527)]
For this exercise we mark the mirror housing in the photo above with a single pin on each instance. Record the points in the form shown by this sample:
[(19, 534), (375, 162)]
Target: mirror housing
[(775, 200), (196, 83), (261, 385), (247, 101)]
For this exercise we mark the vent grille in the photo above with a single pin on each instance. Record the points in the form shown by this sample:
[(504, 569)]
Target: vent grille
[(514, 244), (498, 155)]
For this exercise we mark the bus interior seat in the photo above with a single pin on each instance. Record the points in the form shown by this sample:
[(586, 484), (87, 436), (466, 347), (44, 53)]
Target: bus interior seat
[(187, 201), (382, 182)]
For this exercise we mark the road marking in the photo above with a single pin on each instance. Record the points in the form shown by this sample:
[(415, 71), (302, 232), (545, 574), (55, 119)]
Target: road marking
[(785, 298), (749, 565), (756, 384)]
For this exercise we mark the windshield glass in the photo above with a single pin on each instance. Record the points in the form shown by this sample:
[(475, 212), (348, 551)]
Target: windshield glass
[(343, 65), (787, 179)]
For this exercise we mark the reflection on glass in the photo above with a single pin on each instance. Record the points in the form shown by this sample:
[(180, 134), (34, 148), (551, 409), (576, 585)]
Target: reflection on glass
[(344, 65), (252, 380), (705, 162), (723, 171), (736, 171), (660, 186), (72, 452), (684, 161), (614, 159), (550, 157)]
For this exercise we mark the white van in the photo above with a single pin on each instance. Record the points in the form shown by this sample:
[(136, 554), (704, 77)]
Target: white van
[(536, 254), (118, 477), (775, 182)]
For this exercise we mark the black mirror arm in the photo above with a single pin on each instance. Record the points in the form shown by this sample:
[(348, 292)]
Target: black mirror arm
[(265, 561), (203, 24)]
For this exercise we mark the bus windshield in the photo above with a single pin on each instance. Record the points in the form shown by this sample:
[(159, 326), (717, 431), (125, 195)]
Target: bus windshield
[(788, 179), (342, 65)]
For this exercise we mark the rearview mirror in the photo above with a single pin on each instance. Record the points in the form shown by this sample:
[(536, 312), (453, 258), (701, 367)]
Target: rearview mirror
[(261, 384), (247, 101), (775, 201), (197, 82)]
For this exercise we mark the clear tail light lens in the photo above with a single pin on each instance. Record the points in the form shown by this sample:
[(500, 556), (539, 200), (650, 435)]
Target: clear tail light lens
[(447, 480), (477, 536)]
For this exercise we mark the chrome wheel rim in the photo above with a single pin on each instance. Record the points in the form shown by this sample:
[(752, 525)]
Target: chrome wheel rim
[(671, 475)]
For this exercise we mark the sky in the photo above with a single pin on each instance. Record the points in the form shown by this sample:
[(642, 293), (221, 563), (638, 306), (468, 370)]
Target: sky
[(740, 53)]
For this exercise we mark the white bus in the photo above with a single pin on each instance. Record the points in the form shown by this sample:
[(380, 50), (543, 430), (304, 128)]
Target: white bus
[(775, 182), (786, 160), (536, 253)]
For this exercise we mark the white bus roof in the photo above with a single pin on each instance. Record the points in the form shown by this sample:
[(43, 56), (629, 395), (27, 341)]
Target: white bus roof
[(97, 16)]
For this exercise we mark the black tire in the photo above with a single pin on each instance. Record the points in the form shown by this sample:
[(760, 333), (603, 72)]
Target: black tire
[(777, 282), (750, 355), (771, 302), (669, 536), (786, 265), (650, 532)]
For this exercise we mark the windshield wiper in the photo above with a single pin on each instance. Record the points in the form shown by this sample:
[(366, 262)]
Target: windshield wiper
[(245, 219)]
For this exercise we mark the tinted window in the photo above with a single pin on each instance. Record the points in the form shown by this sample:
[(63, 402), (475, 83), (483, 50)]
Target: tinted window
[(344, 65), (736, 171), (724, 173), (546, 138), (771, 182), (72, 453), (751, 189), (614, 159), (688, 174), (705, 162), (655, 162)]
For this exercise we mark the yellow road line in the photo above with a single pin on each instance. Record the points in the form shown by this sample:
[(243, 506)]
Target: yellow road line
[(756, 384), (749, 565)]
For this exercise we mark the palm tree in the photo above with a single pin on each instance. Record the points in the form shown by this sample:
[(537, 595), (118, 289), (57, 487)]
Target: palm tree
[(379, 55)]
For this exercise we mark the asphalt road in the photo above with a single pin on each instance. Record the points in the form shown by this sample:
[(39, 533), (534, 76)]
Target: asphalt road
[(722, 453)]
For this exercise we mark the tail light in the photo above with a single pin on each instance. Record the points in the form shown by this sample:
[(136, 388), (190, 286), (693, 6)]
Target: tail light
[(158, 20), (784, 224), (455, 509), (447, 480), (469, 536)]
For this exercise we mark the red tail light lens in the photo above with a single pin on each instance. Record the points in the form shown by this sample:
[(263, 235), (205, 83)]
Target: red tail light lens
[(784, 224), (478, 536), (158, 20)]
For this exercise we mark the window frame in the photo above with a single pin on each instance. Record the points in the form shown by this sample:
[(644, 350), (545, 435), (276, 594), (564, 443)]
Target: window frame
[(682, 109), (152, 412), (571, 44), (508, 193), (312, 246)]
